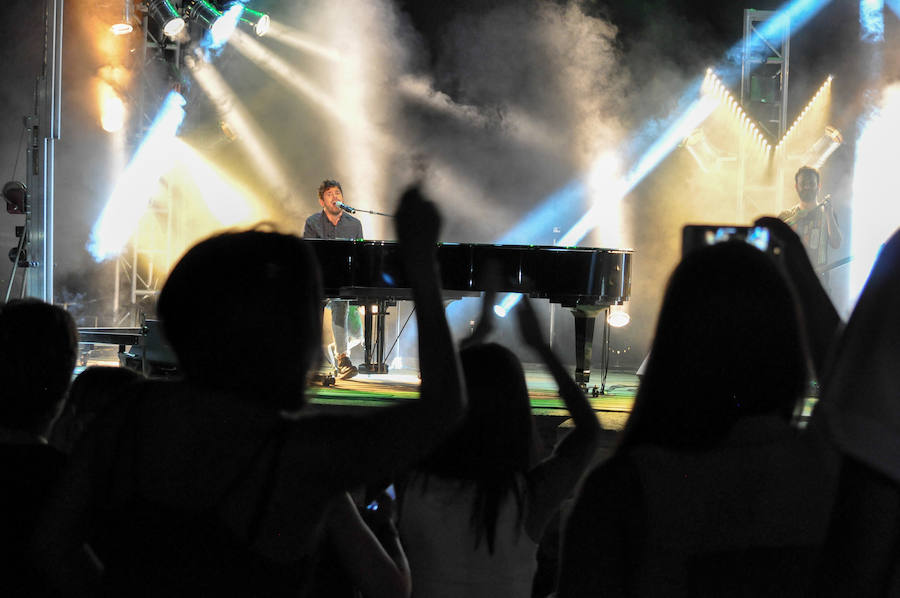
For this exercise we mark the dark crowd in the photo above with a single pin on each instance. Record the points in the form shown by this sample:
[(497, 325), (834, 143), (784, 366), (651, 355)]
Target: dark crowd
[(223, 482)]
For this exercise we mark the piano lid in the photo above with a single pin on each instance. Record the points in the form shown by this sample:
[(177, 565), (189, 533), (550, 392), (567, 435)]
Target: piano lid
[(566, 275)]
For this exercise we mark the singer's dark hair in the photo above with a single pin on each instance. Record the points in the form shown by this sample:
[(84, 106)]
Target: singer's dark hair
[(807, 169), (326, 185)]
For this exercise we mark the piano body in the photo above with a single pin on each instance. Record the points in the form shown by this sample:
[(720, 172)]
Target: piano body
[(586, 281)]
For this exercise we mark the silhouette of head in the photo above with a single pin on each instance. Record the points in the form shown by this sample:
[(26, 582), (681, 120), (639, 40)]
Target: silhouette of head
[(38, 349), (727, 345), (496, 437), (242, 311), (91, 393)]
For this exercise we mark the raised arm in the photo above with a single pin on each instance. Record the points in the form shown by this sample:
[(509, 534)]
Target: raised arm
[(821, 319), (418, 223), (351, 450), (553, 479), (376, 564)]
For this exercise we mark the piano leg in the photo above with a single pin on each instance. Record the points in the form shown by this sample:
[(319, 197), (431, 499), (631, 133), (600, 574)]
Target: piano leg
[(367, 338), (585, 318), (374, 348)]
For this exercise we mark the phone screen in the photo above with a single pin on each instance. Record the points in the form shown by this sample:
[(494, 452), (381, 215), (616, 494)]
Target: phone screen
[(700, 235)]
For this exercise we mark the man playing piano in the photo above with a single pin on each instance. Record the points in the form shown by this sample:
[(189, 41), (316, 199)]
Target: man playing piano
[(335, 223)]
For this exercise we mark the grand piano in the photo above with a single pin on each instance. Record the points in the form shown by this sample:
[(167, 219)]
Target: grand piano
[(586, 281)]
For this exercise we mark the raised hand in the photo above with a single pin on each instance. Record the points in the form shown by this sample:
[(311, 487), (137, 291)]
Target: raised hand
[(529, 327), (822, 319), (418, 223), (786, 239)]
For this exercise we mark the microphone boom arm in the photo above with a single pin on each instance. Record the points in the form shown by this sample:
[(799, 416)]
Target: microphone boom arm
[(351, 210)]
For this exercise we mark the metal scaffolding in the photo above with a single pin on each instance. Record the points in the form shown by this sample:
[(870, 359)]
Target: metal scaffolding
[(142, 267), (765, 70), (43, 131)]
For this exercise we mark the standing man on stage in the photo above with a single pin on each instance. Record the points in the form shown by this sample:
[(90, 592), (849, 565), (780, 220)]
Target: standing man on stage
[(814, 222), (334, 223)]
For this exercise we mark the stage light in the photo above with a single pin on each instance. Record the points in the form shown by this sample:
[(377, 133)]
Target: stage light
[(260, 22), (203, 13), (508, 302), (826, 145), (14, 194), (617, 317), (112, 108), (220, 25), (124, 27), (706, 156), (820, 94), (727, 99), (224, 26), (166, 16)]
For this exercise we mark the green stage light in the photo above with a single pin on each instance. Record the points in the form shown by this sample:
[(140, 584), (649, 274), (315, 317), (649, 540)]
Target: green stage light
[(167, 16), (259, 21)]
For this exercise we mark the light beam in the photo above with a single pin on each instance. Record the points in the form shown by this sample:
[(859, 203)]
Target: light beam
[(233, 112), (871, 20), (138, 182), (875, 214)]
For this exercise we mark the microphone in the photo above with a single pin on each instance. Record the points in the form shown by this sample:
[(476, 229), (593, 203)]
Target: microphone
[(345, 207)]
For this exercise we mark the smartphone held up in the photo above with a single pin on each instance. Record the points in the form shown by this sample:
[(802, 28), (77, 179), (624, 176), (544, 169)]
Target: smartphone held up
[(695, 236)]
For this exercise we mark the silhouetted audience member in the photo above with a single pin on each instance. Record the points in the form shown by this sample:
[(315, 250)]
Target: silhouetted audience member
[(821, 322), (711, 492), (222, 484), (92, 391), (860, 411), (472, 514), (38, 348)]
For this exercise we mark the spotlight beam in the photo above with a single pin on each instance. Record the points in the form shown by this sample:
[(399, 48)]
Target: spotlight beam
[(794, 14), (871, 20), (137, 183), (281, 70), (292, 78), (296, 39), (874, 218), (238, 119)]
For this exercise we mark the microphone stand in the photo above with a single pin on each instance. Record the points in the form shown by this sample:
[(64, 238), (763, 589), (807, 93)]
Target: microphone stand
[(355, 210)]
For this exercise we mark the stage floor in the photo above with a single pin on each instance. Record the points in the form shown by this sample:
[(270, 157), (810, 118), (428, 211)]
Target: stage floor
[(381, 390), (384, 389)]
